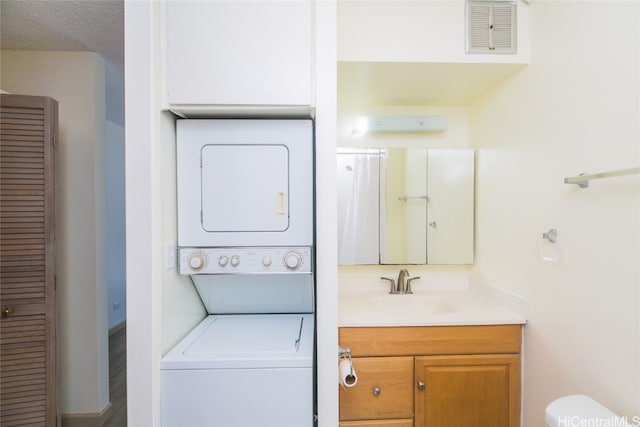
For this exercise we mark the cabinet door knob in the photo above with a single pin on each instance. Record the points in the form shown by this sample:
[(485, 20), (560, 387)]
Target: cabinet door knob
[(421, 385), (376, 391), (6, 312)]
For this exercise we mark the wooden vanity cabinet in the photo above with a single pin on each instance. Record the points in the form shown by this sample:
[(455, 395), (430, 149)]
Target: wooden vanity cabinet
[(462, 376)]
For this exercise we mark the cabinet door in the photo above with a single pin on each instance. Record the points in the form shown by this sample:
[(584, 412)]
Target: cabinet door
[(468, 391), (231, 52), (384, 389), (28, 125)]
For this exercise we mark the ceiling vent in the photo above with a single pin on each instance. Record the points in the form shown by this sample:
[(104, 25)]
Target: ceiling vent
[(491, 26)]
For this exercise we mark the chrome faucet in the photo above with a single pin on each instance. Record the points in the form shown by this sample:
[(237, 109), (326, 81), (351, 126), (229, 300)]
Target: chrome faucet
[(403, 284)]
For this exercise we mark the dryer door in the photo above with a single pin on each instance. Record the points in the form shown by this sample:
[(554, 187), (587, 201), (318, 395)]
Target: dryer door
[(244, 182), (245, 188)]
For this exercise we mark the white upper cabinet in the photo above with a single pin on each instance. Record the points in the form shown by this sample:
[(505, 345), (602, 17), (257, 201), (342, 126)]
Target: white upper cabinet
[(238, 53)]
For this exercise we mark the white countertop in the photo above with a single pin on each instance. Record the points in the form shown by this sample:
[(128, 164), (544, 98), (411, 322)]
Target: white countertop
[(441, 300)]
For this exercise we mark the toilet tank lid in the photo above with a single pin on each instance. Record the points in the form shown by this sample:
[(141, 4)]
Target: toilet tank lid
[(568, 410)]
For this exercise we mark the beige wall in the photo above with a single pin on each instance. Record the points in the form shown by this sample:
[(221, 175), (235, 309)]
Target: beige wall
[(76, 80), (415, 31), (573, 109)]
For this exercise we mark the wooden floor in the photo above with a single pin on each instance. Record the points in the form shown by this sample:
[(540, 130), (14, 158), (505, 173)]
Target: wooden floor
[(118, 379)]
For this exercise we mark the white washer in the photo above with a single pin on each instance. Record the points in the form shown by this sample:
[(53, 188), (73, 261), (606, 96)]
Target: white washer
[(241, 371)]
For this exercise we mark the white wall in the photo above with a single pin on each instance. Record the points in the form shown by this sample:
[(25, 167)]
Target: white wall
[(573, 109), (161, 306), (116, 256), (326, 213), (143, 215), (182, 308), (76, 80)]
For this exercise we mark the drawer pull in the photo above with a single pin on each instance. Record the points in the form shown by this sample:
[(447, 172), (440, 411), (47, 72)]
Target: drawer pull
[(6, 312), (376, 391), (421, 385)]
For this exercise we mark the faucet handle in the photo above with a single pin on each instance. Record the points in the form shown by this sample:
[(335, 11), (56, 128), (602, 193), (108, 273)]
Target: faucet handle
[(408, 288), (392, 282)]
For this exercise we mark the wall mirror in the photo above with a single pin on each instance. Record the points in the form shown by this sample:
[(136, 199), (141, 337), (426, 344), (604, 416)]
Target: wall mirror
[(405, 206)]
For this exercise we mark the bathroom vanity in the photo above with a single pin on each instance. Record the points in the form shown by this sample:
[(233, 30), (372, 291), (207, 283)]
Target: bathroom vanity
[(444, 356), (433, 376)]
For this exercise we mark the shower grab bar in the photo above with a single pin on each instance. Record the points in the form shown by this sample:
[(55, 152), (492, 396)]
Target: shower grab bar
[(583, 179), (405, 198)]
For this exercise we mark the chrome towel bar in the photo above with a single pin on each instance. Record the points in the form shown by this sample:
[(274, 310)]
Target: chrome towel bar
[(583, 179), (405, 198)]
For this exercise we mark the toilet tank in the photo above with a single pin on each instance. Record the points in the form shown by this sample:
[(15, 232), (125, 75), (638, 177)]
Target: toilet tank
[(578, 410)]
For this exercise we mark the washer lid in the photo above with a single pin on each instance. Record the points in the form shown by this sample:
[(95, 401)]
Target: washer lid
[(245, 341), (248, 335)]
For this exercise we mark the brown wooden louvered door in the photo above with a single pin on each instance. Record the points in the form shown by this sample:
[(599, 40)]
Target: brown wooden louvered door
[(28, 390)]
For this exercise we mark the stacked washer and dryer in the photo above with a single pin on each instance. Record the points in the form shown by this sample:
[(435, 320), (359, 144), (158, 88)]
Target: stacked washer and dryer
[(245, 237)]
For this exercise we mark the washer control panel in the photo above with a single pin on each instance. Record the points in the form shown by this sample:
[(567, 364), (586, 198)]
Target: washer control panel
[(244, 260)]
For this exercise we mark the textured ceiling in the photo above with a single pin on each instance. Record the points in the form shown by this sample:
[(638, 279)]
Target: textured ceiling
[(92, 25)]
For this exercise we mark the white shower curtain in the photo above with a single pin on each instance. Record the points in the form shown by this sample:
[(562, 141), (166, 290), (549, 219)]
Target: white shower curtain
[(382, 209), (358, 207)]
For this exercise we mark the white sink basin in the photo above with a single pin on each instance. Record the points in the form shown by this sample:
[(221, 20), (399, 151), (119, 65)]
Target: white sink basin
[(411, 303), (442, 300)]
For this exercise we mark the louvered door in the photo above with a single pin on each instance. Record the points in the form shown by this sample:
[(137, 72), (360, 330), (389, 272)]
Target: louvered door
[(28, 126)]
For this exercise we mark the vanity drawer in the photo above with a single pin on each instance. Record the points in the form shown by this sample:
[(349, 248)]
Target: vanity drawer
[(378, 423), (431, 340), (384, 389)]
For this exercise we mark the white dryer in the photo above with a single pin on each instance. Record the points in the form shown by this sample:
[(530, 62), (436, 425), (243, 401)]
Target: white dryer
[(244, 182)]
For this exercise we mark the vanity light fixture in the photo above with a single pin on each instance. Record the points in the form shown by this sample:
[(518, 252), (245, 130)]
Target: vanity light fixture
[(399, 124)]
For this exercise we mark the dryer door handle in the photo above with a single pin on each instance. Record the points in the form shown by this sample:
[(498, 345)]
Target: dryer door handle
[(282, 203)]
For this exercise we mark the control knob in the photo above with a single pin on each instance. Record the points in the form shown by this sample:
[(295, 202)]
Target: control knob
[(223, 260), (196, 261), (235, 260), (292, 260)]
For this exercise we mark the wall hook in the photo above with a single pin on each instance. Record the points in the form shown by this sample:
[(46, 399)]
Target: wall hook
[(551, 235)]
